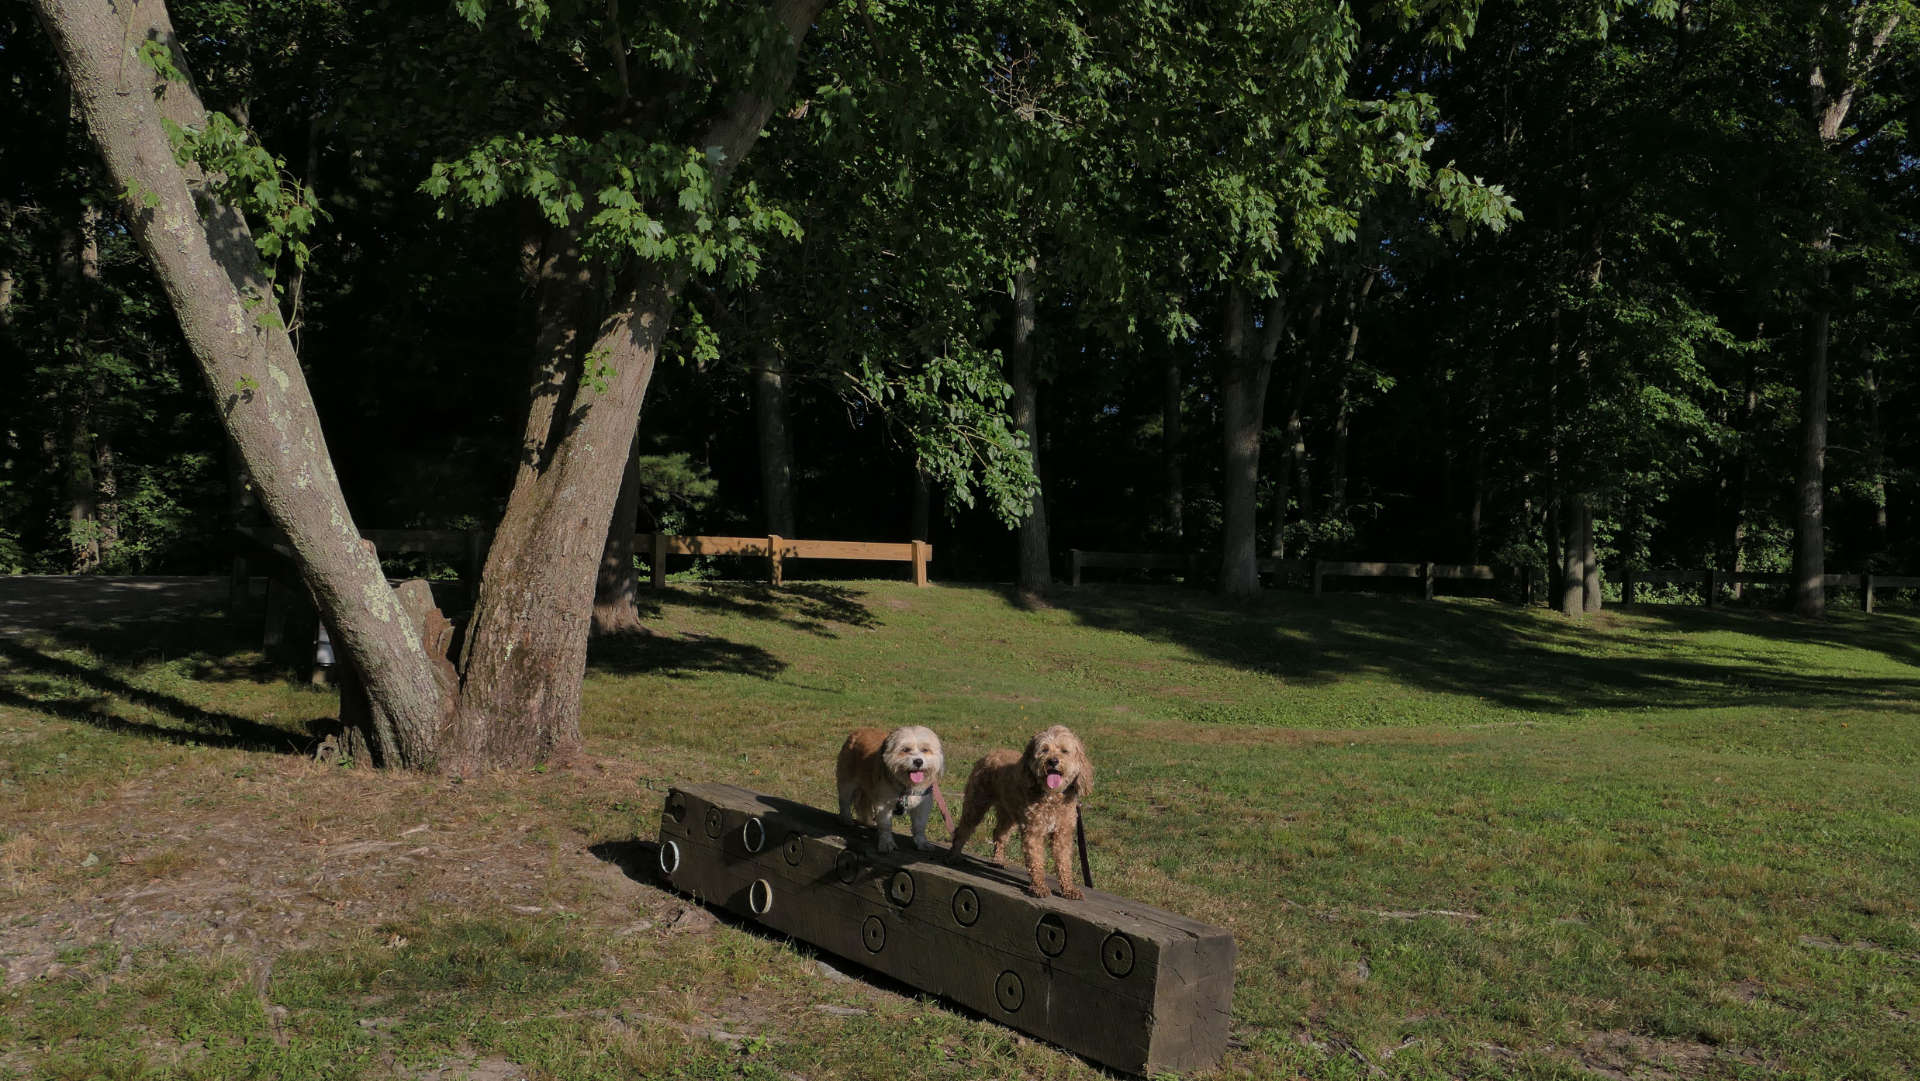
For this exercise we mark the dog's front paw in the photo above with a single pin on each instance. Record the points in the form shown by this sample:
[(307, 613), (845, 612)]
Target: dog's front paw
[(1072, 893), (924, 845), (1039, 889), (885, 843)]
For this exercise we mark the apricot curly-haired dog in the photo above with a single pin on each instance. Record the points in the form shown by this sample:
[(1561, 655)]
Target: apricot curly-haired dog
[(881, 774), (1038, 790)]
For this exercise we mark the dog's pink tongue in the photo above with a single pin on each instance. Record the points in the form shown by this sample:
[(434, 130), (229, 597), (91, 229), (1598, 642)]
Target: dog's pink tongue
[(1054, 780), (917, 776)]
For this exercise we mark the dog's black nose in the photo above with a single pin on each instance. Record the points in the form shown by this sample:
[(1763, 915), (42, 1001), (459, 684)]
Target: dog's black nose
[(918, 762), (1053, 763)]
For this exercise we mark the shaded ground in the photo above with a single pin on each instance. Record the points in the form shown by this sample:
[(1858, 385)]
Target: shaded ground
[(53, 603)]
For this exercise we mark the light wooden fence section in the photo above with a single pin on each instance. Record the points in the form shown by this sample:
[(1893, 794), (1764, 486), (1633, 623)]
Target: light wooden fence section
[(776, 550)]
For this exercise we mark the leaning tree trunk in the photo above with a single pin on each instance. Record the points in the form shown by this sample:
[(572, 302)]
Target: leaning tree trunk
[(1246, 371), (214, 281), (1036, 566), (524, 655)]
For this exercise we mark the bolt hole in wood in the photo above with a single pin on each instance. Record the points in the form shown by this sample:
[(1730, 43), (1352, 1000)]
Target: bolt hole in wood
[(1009, 992), (760, 897), (793, 849), (900, 889), (753, 835), (669, 858), (873, 934), (1051, 935), (966, 906)]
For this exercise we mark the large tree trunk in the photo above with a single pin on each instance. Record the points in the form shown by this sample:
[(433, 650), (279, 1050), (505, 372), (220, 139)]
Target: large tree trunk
[(525, 649), (1832, 81), (921, 518), (1172, 391), (1246, 370), (1876, 462), (776, 436), (204, 256), (80, 281), (1743, 475), (524, 655), (1036, 565)]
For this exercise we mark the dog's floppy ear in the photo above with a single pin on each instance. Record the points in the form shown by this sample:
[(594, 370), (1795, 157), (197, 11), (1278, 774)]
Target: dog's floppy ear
[(1032, 752), (1083, 782)]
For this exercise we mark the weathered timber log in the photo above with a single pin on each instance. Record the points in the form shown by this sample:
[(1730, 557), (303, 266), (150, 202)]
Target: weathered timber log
[(1122, 983)]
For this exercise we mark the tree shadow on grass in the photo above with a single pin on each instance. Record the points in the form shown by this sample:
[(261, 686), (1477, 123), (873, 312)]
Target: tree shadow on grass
[(681, 656), (32, 678), (814, 607), (1514, 657)]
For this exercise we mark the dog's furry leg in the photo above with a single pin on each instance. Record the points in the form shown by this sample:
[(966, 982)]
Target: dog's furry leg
[(883, 826), (1063, 859), (970, 816), (847, 792), (1002, 829), (1035, 843), (920, 812)]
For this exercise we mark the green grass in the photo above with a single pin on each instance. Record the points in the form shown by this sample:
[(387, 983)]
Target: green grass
[(1454, 839)]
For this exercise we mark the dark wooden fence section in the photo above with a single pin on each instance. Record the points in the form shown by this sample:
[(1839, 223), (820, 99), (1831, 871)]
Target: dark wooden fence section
[(1712, 583), (776, 550)]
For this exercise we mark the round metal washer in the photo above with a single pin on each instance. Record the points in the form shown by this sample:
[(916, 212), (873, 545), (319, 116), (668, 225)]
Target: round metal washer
[(760, 897), (1051, 935), (669, 857), (900, 889), (716, 822), (873, 934), (966, 906), (1009, 992), (753, 835), (1116, 955), (792, 849), (846, 865)]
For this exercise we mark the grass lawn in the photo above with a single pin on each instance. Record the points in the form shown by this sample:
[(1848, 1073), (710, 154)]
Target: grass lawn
[(1452, 839)]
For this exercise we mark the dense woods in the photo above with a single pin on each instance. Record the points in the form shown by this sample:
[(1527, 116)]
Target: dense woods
[(1579, 287)]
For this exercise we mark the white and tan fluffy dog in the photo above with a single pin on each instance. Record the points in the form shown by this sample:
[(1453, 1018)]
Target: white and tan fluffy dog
[(882, 774)]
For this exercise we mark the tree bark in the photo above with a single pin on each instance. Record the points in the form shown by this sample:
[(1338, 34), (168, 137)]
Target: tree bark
[(1573, 563), (616, 590), (1246, 370), (1036, 569), (1589, 560), (1173, 389), (776, 436), (80, 280)]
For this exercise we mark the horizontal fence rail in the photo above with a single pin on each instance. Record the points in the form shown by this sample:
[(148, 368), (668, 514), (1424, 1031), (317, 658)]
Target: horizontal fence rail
[(776, 550), (1710, 580)]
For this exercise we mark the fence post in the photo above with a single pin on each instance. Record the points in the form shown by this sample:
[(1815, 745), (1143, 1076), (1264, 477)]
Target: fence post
[(773, 559), (1317, 576), (1073, 559), (1628, 587), (921, 552), (1866, 592), (1712, 589), (1426, 576), (659, 560)]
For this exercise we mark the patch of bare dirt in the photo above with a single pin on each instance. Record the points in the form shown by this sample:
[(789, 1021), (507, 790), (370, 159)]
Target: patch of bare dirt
[(1627, 1056), (194, 859)]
